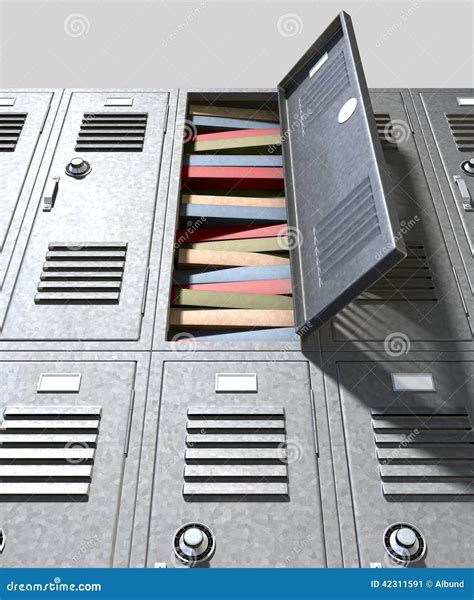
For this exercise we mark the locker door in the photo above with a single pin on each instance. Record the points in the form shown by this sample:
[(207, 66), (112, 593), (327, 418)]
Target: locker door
[(62, 439), (236, 453), (22, 117), (419, 297), (85, 267), (408, 435)]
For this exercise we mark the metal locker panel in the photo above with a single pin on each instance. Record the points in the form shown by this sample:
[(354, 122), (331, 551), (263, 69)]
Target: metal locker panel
[(61, 462), (336, 191), (451, 119), (410, 455), (22, 119), (85, 269), (418, 298), (243, 463)]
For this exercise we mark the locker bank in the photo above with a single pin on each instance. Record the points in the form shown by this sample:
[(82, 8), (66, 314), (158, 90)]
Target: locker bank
[(236, 325)]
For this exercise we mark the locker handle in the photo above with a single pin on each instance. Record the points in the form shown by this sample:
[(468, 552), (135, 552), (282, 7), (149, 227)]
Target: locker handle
[(50, 193), (465, 194)]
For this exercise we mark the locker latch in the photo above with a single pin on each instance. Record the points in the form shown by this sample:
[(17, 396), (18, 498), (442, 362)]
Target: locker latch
[(50, 193), (466, 198)]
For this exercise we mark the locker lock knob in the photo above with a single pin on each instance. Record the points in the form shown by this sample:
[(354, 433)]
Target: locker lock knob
[(193, 543), (404, 543), (78, 168), (468, 166)]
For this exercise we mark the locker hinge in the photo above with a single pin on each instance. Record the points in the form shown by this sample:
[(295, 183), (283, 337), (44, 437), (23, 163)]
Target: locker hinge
[(129, 422), (315, 428), (166, 118), (145, 290)]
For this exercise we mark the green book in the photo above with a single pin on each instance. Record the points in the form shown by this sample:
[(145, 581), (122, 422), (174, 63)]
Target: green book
[(209, 299)]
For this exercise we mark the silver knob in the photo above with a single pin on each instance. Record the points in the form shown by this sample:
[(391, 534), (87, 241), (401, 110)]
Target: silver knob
[(78, 167)]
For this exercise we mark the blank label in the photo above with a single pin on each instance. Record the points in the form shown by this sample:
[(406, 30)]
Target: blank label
[(466, 101), (59, 382), (413, 382), (236, 382), (7, 101), (119, 102)]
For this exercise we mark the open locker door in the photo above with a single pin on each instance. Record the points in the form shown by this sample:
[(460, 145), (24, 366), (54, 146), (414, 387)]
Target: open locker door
[(338, 211)]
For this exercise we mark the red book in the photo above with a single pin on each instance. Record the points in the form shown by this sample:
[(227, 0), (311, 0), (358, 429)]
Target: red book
[(236, 232), (267, 286), (233, 177), (203, 137)]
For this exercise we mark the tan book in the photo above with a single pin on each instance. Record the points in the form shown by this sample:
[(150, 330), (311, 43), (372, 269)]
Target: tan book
[(233, 200), (231, 318), (234, 143), (263, 114), (229, 259), (275, 244)]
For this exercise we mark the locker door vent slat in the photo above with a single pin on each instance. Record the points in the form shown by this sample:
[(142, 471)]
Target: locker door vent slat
[(11, 125), (112, 132), (329, 83), (386, 131), (76, 273), (236, 452), (48, 452), (348, 228), (410, 281), (462, 129), (424, 452)]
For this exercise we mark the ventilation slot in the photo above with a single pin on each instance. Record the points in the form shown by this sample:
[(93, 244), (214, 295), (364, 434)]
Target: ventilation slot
[(11, 125), (112, 132), (48, 451), (236, 452), (424, 451), (462, 128), (411, 280), (346, 230), (386, 131), (328, 84), (82, 274)]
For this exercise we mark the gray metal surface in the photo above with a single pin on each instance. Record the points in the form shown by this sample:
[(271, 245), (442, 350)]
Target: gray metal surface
[(278, 523), (176, 451), (423, 482), (336, 187)]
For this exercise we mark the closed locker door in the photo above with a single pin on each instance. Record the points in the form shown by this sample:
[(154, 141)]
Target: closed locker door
[(22, 119), (236, 453), (85, 268), (62, 440)]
